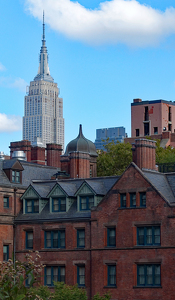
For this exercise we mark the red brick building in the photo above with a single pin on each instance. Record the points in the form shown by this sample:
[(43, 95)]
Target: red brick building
[(106, 234), (78, 161)]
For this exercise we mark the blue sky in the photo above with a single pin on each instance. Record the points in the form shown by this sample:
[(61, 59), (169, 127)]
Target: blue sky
[(102, 54)]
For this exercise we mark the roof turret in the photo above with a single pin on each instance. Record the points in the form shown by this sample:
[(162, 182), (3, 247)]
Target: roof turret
[(81, 144)]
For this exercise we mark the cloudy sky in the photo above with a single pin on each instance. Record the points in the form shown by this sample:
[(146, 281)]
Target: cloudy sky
[(102, 54)]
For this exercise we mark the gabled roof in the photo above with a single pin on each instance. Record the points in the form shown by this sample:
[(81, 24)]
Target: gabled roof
[(43, 189), (160, 182), (69, 187), (31, 171), (99, 185), (13, 163)]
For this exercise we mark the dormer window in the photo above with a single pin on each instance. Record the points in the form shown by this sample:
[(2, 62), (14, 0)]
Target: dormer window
[(16, 176), (59, 204), (86, 202), (32, 206)]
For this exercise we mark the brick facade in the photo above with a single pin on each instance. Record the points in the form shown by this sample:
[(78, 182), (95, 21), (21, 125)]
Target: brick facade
[(124, 244)]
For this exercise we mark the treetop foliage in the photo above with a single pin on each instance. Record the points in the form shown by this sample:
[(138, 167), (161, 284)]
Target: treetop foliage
[(114, 160)]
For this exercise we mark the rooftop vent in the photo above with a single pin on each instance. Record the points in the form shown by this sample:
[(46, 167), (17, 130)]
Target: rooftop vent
[(19, 155)]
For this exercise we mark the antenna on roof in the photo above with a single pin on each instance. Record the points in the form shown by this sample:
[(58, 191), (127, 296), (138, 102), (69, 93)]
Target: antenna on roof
[(43, 27)]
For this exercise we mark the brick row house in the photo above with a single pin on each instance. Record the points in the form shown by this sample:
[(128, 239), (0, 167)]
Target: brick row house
[(104, 233)]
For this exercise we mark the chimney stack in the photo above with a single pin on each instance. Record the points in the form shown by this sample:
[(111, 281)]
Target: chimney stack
[(144, 154)]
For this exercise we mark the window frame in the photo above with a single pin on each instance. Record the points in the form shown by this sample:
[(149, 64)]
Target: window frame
[(79, 276), (33, 205), (59, 199), (145, 275), (78, 238), (109, 230), (27, 239), (52, 232), (61, 267), (132, 196), (88, 203), (16, 176), (6, 197), (109, 267), (145, 235), (141, 199), (121, 200), (6, 253)]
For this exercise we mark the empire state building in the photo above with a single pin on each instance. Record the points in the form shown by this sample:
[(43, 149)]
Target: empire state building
[(43, 109)]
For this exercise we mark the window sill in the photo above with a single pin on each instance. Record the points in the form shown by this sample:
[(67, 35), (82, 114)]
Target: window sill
[(131, 207), (147, 246), (110, 287), (147, 287)]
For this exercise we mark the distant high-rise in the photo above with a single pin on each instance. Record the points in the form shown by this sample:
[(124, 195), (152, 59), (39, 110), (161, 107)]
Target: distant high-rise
[(107, 135), (43, 112)]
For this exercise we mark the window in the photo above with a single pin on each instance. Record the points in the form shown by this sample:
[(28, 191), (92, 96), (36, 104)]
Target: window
[(143, 199), (81, 275), (6, 202), (5, 252), (123, 200), (169, 127), (133, 199), (111, 275), (58, 204), (155, 130), (146, 128), (16, 176), (111, 237), (29, 239), (80, 238), (137, 132), (86, 202), (148, 275), (29, 277), (32, 206), (54, 273), (148, 235), (55, 239)]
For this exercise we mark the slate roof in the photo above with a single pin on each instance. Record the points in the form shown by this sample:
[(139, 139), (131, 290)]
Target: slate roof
[(164, 184), (31, 171), (43, 190), (9, 163), (100, 185)]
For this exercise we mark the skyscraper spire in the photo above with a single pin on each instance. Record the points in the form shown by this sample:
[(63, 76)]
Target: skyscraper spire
[(43, 70), (43, 40)]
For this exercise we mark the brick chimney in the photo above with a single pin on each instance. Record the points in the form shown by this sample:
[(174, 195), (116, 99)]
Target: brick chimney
[(79, 165), (144, 154), (23, 145), (53, 155), (38, 155)]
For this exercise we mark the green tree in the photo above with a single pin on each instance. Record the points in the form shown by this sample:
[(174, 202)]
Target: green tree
[(114, 160), (164, 155), (13, 277)]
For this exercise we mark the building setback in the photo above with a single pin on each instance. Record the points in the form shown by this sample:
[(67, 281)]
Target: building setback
[(43, 112)]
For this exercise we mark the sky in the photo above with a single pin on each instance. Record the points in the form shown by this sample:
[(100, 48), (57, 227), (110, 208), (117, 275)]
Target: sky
[(102, 55)]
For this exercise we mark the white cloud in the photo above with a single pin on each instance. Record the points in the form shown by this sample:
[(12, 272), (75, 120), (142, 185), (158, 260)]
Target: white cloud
[(115, 21), (10, 123), (2, 68), (17, 83)]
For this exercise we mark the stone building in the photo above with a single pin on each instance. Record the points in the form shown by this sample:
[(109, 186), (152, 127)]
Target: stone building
[(43, 108)]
